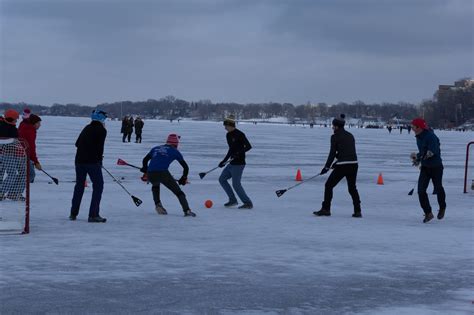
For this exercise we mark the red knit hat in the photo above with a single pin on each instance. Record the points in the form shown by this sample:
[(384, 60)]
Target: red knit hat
[(420, 123), (26, 113), (11, 116), (173, 140)]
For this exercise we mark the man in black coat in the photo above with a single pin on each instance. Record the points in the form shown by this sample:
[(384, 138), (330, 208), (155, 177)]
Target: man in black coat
[(343, 149), (138, 129), (89, 155)]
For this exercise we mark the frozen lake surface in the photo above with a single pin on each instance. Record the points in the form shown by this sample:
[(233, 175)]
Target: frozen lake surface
[(277, 258)]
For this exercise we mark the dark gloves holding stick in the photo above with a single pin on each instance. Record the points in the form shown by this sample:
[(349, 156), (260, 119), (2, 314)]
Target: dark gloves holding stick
[(222, 164), (324, 170), (183, 180)]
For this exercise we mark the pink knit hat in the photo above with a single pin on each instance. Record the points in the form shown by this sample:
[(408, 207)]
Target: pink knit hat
[(173, 140)]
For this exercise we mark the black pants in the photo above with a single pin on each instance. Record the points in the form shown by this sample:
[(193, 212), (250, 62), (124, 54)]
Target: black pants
[(95, 173), (349, 171), (436, 175), (165, 178), (126, 135), (139, 137)]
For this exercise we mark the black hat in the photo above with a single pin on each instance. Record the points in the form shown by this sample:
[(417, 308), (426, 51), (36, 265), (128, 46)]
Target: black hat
[(339, 122)]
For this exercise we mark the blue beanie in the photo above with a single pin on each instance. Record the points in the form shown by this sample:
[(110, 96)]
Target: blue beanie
[(98, 115)]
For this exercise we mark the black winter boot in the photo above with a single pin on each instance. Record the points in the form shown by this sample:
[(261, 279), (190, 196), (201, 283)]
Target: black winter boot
[(428, 217), (322, 212)]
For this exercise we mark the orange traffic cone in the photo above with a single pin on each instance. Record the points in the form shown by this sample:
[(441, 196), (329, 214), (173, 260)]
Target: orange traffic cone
[(299, 178), (380, 179)]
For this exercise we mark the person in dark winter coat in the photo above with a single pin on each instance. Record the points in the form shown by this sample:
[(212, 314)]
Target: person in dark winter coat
[(10, 187), (127, 128), (27, 132), (344, 150), (238, 146), (124, 127), (89, 155), (8, 124), (156, 164), (138, 129), (431, 168)]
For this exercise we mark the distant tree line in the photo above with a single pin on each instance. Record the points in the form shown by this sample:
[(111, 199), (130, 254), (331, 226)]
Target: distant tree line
[(439, 111)]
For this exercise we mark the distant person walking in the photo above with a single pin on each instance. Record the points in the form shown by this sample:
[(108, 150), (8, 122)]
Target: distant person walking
[(127, 128), (238, 146), (429, 157), (138, 129), (344, 150), (89, 155), (389, 129)]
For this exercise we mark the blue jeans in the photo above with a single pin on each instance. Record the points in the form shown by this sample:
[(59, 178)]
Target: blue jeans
[(32, 172), (95, 173), (234, 172)]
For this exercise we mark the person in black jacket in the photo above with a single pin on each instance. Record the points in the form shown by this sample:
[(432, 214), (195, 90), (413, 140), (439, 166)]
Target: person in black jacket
[(8, 124), (138, 129), (89, 155), (10, 187), (238, 146), (343, 149)]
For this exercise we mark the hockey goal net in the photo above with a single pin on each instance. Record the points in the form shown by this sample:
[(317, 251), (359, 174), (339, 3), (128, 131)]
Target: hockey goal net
[(14, 187), (469, 168)]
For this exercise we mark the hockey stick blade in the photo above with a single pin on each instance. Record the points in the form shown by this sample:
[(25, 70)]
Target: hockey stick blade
[(137, 201), (121, 162), (55, 180), (411, 192), (280, 193), (202, 175)]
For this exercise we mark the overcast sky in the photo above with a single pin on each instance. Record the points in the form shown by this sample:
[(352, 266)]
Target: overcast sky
[(94, 51)]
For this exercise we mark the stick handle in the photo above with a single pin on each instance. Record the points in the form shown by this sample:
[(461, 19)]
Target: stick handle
[(300, 183)]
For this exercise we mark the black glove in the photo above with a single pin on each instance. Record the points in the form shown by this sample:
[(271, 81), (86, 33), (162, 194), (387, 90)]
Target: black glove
[(222, 164), (144, 169), (182, 181), (324, 170)]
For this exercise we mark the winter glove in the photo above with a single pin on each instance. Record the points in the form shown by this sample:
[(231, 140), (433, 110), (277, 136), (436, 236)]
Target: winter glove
[(414, 159), (324, 170), (222, 164), (428, 155), (144, 169), (38, 166), (183, 180)]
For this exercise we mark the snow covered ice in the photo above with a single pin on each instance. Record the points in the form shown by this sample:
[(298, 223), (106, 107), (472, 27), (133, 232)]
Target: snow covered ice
[(276, 258)]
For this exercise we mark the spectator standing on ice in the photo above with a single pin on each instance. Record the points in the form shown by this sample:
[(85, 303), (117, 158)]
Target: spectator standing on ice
[(238, 146), (429, 157), (389, 129), (27, 132), (156, 164), (138, 129), (343, 149), (124, 128), (89, 155)]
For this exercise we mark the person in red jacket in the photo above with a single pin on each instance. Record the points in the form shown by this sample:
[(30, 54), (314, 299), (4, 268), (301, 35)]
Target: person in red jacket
[(27, 132)]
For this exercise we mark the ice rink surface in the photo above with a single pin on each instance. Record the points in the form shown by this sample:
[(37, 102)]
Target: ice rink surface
[(275, 259)]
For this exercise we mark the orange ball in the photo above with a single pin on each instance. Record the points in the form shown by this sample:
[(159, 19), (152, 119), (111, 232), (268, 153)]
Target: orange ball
[(208, 204)]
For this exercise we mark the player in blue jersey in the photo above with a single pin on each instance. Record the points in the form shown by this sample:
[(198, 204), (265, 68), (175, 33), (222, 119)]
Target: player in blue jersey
[(156, 164)]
